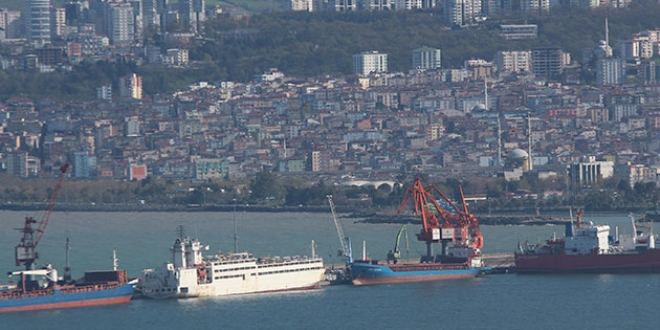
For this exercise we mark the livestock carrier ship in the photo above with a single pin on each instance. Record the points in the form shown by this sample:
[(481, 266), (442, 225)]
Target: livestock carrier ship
[(457, 231), (588, 247), (38, 289), (190, 274)]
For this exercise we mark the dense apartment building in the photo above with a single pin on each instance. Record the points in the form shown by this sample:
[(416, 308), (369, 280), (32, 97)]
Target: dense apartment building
[(426, 58), (369, 62), (130, 87), (37, 22), (610, 71), (120, 23), (513, 62), (547, 62), (462, 12)]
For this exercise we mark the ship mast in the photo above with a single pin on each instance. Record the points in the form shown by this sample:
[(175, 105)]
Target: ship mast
[(235, 229), (67, 268)]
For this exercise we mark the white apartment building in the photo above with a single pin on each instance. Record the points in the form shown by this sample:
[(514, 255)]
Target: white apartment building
[(426, 58), (408, 4), (610, 71), (513, 61), (369, 62), (343, 5), (302, 5), (461, 12)]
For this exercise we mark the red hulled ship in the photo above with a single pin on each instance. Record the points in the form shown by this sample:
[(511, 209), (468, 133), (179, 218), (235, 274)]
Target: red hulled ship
[(588, 247)]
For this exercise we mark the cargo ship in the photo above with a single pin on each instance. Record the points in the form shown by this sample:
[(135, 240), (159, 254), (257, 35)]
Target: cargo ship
[(191, 275), (442, 222), (38, 289), (588, 247), (367, 272)]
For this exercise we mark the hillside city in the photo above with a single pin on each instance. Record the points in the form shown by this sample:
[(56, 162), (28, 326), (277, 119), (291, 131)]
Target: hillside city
[(521, 113)]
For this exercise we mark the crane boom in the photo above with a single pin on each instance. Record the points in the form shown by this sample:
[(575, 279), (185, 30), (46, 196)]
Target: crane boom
[(395, 254), (25, 251), (343, 240), (439, 225)]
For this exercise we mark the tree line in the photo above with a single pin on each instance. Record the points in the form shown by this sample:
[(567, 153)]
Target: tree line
[(266, 190)]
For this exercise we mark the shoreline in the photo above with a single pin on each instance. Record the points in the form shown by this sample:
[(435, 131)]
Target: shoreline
[(360, 216)]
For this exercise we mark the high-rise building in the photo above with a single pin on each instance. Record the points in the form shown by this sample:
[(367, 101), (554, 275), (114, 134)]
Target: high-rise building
[(192, 13), (426, 58), (57, 22), (150, 14), (343, 5), (104, 92), (302, 5), (373, 5), (407, 4), (366, 63), (535, 6), (461, 12), (80, 164), (547, 62), (130, 87), (37, 22), (138, 25), (648, 73), (10, 21), (610, 71), (17, 163), (120, 23)]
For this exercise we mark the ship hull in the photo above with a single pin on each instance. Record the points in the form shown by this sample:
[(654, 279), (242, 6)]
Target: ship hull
[(57, 299), (371, 274), (287, 278), (646, 261)]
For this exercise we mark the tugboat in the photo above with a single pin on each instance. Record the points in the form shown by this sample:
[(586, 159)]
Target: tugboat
[(42, 288), (587, 247)]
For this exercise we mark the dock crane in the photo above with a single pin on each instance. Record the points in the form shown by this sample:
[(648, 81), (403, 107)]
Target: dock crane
[(345, 242), (438, 224), (25, 250)]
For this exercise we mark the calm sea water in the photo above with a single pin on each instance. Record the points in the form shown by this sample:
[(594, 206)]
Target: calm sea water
[(142, 240)]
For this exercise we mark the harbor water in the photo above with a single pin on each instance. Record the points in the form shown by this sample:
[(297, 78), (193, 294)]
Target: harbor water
[(507, 301)]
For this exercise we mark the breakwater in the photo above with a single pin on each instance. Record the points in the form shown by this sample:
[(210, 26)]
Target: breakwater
[(531, 220)]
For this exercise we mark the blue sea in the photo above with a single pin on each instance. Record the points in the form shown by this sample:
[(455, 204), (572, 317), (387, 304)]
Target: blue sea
[(507, 301)]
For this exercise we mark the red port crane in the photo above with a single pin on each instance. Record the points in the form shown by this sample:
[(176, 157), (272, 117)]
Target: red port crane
[(440, 225), (25, 250)]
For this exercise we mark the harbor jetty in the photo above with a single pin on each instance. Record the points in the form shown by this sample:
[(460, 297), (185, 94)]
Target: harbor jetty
[(531, 220)]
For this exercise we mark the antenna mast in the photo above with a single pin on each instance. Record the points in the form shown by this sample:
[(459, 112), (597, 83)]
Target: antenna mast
[(529, 142)]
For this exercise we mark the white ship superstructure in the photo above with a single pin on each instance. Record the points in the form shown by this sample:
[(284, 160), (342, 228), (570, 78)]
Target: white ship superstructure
[(192, 275)]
